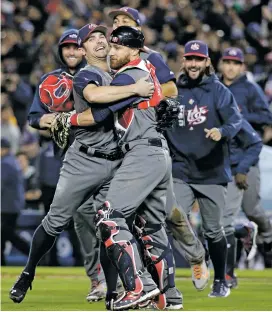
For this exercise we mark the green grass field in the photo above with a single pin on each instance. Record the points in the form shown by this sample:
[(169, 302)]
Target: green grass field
[(64, 289)]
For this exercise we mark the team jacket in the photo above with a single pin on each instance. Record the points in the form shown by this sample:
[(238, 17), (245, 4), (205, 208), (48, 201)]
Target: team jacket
[(251, 102), (197, 159), (245, 149), (53, 94)]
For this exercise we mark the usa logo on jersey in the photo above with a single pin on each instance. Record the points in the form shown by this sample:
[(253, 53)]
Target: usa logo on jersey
[(55, 92), (195, 116)]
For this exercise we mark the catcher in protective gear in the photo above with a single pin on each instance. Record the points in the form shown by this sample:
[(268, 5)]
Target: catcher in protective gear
[(60, 128), (167, 113)]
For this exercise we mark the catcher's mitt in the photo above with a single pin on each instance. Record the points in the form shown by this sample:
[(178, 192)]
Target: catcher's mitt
[(60, 128), (167, 113)]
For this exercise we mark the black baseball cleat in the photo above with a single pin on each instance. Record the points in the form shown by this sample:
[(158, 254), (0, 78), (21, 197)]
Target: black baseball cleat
[(110, 298), (20, 288), (220, 289)]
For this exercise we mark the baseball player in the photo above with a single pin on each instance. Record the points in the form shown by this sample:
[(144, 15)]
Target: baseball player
[(146, 160), (53, 95), (94, 153), (185, 242), (254, 108), (245, 148), (201, 168)]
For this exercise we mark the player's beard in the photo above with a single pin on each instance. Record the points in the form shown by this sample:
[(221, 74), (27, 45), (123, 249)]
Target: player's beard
[(116, 63), (195, 81)]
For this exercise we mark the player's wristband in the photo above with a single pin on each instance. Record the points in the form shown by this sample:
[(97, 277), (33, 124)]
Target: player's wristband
[(74, 120)]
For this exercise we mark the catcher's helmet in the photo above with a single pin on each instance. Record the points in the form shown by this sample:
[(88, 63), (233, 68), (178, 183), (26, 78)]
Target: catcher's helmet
[(127, 36)]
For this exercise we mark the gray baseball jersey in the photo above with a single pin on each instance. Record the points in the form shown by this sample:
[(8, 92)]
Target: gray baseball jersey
[(99, 136)]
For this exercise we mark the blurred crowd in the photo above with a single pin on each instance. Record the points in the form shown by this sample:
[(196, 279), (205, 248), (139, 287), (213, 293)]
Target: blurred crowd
[(31, 30)]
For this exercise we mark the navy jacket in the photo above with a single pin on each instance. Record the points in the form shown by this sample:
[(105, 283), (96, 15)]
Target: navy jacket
[(208, 104), (251, 102), (12, 185), (245, 149)]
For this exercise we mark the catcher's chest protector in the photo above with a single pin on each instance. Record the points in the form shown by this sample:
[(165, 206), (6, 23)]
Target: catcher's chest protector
[(149, 68)]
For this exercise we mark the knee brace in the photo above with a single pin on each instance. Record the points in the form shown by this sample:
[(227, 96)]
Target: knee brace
[(159, 264), (121, 253)]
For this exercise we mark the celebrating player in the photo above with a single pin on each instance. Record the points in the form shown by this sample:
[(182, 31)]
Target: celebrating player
[(201, 168)]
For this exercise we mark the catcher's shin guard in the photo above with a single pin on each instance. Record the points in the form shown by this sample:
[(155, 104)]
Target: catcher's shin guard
[(121, 252), (161, 267)]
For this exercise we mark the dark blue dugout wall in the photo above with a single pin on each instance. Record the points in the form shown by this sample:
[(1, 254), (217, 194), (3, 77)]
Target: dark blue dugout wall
[(26, 225)]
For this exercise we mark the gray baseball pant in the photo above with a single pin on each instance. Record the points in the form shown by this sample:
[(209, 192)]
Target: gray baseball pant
[(80, 177), (143, 177), (211, 199), (90, 246), (185, 240), (251, 205), (232, 208)]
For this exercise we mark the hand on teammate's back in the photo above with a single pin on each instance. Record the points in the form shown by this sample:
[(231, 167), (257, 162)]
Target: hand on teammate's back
[(144, 88), (241, 181), (213, 134)]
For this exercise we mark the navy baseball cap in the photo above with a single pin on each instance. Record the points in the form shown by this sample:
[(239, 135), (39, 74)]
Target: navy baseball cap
[(86, 30), (130, 12), (197, 48), (234, 54), (70, 36)]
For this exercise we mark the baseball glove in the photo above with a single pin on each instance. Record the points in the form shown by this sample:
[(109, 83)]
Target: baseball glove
[(167, 113), (60, 129)]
